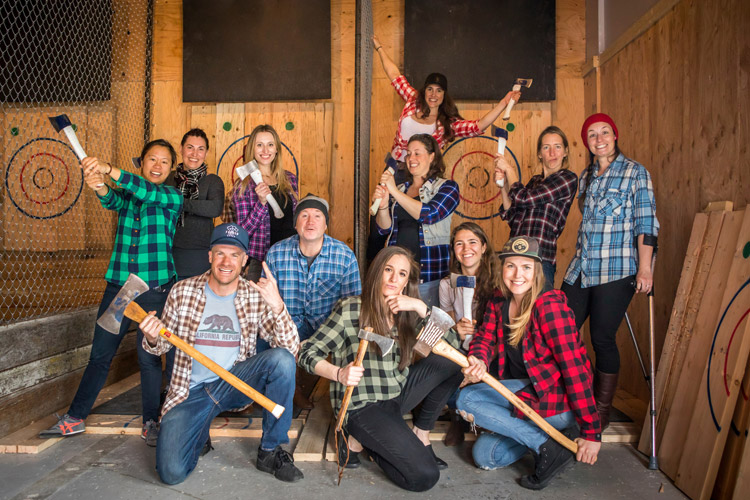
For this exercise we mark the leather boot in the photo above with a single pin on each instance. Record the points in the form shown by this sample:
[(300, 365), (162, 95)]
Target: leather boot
[(455, 434), (605, 385)]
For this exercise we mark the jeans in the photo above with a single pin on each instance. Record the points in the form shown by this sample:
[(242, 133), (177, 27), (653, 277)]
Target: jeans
[(185, 428), (606, 305), (381, 429), (548, 268), (105, 346), (430, 293), (509, 437)]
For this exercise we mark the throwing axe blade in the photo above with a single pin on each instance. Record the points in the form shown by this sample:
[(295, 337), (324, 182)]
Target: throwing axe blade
[(111, 320)]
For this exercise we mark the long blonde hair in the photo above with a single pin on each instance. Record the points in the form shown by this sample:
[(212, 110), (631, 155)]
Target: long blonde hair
[(277, 171), (518, 324)]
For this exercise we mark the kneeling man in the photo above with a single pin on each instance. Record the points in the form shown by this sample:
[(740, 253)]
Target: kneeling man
[(222, 315)]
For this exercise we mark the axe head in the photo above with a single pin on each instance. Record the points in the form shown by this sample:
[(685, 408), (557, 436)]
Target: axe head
[(439, 323), (524, 82), (60, 122), (246, 169), (384, 343), (391, 162), (136, 161), (112, 317), (461, 281), (500, 132)]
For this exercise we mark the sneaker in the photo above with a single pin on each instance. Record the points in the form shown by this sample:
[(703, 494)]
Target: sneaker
[(550, 461), (353, 461), (150, 433), (65, 426), (206, 447), (280, 463)]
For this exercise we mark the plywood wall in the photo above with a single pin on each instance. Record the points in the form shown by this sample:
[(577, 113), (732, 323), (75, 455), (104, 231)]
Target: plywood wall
[(679, 95)]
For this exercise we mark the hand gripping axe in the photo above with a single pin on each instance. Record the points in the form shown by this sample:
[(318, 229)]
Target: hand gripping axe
[(61, 123), (468, 283), (430, 339), (251, 169), (520, 82), (124, 305)]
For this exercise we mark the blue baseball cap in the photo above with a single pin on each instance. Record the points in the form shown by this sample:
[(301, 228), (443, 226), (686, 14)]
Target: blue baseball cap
[(230, 234)]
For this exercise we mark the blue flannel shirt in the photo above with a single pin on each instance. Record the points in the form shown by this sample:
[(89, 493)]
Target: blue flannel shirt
[(310, 295), (619, 207), (435, 259)]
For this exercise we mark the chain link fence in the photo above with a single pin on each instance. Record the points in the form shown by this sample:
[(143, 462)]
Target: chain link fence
[(89, 59)]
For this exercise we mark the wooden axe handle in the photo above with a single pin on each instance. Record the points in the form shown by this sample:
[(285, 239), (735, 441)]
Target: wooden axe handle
[(350, 389), (445, 350), (136, 313)]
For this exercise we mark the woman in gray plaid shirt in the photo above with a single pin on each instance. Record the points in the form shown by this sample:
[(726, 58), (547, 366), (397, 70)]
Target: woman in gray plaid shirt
[(386, 386)]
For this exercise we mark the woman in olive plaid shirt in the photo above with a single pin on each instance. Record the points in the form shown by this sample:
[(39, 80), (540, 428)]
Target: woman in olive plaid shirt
[(386, 386)]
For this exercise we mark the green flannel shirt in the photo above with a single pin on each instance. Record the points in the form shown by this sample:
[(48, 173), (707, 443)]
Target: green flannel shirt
[(147, 217), (337, 336)]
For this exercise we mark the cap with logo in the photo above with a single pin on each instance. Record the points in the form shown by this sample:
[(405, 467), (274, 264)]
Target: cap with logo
[(521, 246), (230, 234)]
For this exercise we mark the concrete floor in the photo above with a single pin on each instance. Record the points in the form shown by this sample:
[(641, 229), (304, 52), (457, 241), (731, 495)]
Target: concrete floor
[(122, 467)]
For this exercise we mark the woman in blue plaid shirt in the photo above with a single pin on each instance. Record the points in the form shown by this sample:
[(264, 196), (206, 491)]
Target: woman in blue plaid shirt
[(617, 201), (387, 386)]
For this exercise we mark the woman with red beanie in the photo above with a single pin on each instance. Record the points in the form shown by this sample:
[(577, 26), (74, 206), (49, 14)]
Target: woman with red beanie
[(616, 199)]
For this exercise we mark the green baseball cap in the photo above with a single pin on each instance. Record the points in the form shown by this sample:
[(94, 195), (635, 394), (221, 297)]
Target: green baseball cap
[(521, 246)]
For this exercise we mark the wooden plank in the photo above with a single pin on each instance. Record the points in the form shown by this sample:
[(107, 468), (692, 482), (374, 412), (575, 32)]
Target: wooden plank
[(311, 446), (743, 476), (736, 442), (630, 405), (725, 206), (721, 378), (681, 410), (674, 332), (621, 432)]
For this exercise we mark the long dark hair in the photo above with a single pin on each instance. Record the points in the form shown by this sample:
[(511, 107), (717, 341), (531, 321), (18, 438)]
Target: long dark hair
[(159, 142), (374, 310), (447, 112), (585, 178), (195, 132), (489, 273), (437, 167)]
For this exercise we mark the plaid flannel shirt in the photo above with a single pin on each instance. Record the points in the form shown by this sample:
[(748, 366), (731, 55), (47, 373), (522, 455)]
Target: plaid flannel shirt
[(435, 259), (182, 315), (247, 211), (554, 356), (540, 209), (619, 206), (337, 337), (310, 294), (461, 128), (147, 217)]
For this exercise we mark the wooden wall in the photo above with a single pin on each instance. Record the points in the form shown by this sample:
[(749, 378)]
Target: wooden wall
[(679, 95)]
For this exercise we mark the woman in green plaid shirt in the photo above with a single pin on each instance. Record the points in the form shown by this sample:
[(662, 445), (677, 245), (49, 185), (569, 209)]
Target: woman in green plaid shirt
[(386, 386)]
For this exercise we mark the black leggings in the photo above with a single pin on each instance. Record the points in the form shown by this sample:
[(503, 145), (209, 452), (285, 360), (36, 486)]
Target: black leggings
[(381, 429), (606, 304)]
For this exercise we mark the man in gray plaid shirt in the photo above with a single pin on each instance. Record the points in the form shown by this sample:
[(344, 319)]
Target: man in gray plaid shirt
[(222, 315)]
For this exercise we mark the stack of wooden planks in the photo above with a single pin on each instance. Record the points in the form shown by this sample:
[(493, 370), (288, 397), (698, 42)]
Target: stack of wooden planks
[(702, 380)]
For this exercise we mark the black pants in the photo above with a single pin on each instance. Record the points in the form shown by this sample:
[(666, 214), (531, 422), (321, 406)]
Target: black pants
[(381, 429), (606, 305)]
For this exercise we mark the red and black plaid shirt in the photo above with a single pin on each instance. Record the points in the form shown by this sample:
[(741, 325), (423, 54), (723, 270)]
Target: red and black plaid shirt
[(554, 356), (540, 209)]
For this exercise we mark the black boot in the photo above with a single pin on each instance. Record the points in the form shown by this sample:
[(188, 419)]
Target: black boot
[(550, 461), (605, 385), (455, 434)]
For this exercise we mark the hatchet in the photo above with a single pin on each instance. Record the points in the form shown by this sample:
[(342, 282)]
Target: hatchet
[(468, 283), (392, 165), (430, 339), (520, 82), (251, 168), (502, 138), (61, 123), (124, 305)]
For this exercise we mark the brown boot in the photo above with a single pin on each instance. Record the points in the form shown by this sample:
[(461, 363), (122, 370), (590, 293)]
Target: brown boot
[(300, 400), (455, 434), (605, 385)]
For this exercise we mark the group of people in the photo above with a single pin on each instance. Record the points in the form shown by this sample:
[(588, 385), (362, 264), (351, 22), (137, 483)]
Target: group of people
[(264, 296)]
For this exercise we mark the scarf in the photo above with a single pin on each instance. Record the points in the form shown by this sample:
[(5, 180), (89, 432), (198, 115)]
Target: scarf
[(187, 182)]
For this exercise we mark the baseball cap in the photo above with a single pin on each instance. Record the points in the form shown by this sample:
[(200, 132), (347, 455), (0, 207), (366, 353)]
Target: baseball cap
[(230, 234), (521, 246)]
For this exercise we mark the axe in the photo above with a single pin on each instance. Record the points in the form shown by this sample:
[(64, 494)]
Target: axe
[(468, 283), (365, 337), (430, 339), (124, 305), (502, 138), (520, 82), (392, 165), (61, 123), (251, 169)]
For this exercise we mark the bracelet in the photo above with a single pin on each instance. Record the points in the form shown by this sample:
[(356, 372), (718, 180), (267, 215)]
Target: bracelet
[(337, 375), (385, 208)]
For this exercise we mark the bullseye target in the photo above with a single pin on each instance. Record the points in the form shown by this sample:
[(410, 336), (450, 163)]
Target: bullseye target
[(470, 162), (43, 180), (235, 150)]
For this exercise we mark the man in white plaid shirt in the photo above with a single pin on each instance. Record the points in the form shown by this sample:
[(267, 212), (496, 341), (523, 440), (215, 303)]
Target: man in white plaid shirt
[(222, 315)]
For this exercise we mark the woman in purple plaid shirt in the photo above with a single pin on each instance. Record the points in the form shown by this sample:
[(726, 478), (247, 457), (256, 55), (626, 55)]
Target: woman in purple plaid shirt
[(247, 201), (540, 208)]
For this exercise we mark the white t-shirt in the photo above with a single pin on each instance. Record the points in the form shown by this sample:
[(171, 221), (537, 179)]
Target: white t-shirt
[(410, 127)]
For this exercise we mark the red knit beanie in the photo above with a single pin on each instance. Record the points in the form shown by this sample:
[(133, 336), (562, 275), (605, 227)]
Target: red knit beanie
[(595, 118)]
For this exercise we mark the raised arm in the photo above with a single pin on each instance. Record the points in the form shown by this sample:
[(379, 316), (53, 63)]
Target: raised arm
[(493, 114), (389, 66)]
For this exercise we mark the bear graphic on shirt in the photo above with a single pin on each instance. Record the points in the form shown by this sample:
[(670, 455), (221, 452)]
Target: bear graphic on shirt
[(219, 322)]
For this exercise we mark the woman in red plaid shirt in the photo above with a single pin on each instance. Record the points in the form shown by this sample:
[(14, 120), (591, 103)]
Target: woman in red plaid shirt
[(542, 359)]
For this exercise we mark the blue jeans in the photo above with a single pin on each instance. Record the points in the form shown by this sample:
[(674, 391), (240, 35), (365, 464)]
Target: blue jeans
[(548, 268), (105, 346), (430, 293), (185, 428), (509, 437)]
